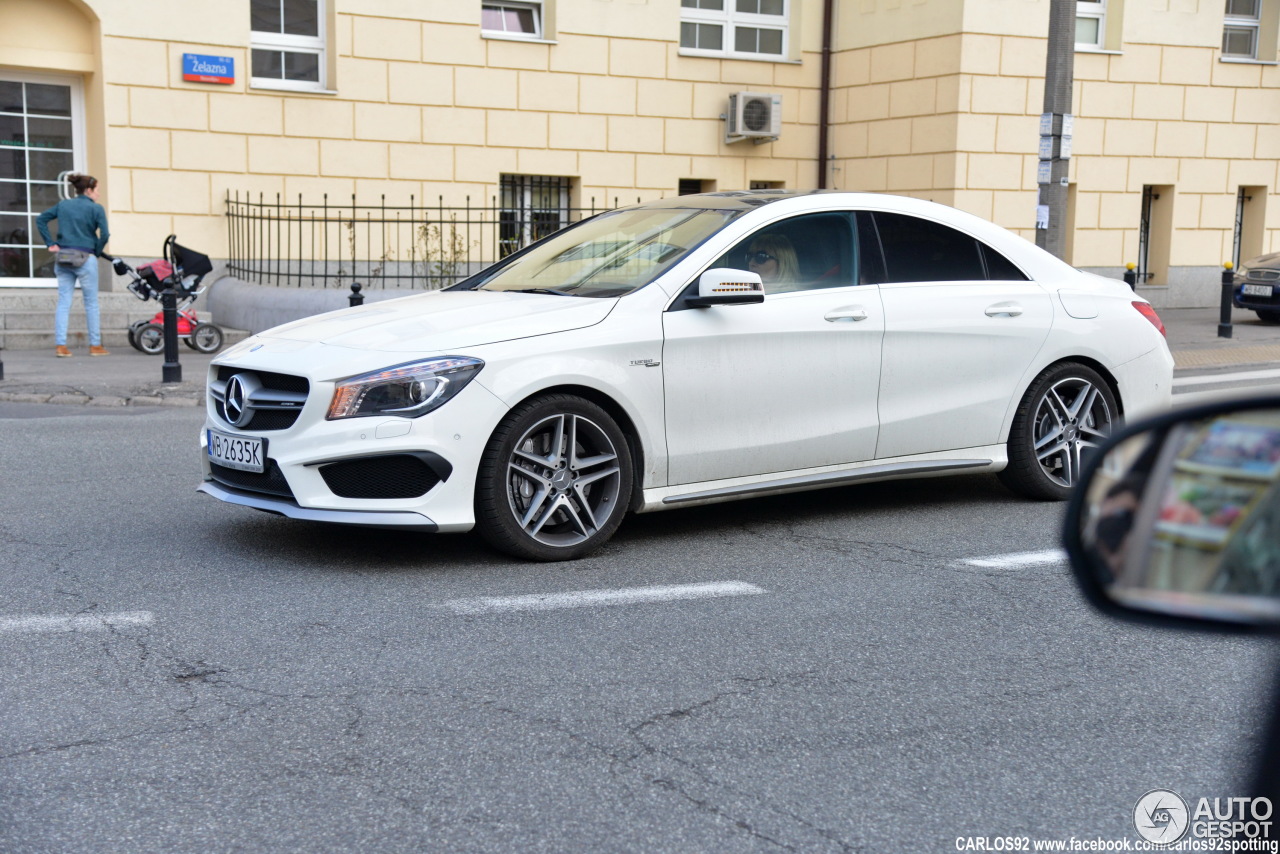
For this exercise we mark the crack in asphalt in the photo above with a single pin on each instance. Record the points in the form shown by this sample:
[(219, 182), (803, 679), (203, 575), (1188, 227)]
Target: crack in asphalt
[(631, 761)]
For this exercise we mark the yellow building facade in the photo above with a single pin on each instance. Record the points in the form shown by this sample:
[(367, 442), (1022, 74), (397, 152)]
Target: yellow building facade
[(1175, 144)]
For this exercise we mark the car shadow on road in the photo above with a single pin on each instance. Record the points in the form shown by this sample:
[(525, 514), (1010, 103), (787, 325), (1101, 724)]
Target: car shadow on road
[(867, 502), (332, 549)]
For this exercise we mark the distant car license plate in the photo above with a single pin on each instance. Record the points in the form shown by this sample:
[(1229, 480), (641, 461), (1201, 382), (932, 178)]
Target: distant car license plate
[(247, 453), (1257, 290)]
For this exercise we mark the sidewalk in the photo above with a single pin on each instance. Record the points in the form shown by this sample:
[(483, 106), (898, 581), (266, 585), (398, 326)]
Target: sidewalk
[(130, 378)]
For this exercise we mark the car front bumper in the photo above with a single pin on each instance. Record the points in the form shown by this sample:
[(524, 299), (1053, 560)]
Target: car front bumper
[(455, 434), (281, 506)]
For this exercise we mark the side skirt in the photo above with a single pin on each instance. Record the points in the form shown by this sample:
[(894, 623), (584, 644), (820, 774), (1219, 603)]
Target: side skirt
[(988, 459)]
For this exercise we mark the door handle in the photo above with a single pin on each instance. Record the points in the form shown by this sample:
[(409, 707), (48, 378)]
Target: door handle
[(1004, 309), (846, 314)]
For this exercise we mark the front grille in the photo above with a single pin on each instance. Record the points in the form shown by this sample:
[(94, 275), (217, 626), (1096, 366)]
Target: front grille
[(390, 476), (265, 419), (1264, 275), (271, 481)]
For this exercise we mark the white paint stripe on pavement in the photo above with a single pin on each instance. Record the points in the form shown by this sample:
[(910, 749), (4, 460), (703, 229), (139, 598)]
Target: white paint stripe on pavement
[(587, 598), (1018, 560), (75, 622), (1238, 376)]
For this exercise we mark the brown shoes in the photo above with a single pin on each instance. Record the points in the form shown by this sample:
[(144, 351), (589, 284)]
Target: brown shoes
[(96, 351), (62, 352)]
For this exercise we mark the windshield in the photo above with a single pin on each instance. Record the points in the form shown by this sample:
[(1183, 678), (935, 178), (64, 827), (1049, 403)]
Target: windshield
[(610, 255)]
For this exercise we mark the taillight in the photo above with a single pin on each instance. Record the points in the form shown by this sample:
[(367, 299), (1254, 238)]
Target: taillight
[(1145, 309)]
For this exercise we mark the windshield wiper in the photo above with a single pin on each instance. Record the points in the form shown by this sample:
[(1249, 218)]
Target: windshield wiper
[(552, 291)]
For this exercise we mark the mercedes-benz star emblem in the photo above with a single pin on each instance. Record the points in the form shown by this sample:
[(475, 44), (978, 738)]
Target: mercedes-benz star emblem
[(237, 403)]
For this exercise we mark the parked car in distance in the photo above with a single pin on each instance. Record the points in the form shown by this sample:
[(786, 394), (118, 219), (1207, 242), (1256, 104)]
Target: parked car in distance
[(1176, 523), (1256, 283), (687, 351)]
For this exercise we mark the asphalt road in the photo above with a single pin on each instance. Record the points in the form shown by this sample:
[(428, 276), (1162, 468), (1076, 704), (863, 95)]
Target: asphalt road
[(258, 684)]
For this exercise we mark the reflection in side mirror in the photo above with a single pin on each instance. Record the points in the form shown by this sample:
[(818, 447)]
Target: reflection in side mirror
[(1181, 516), (725, 286)]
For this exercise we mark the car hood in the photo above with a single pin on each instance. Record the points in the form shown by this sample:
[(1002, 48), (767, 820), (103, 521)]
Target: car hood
[(445, 320), (1270, 261)]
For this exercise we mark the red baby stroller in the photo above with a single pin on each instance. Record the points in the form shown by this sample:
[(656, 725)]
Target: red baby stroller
[(181, 269)]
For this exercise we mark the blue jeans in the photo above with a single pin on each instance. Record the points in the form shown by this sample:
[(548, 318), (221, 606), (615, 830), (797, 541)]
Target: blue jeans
[(87, 275)]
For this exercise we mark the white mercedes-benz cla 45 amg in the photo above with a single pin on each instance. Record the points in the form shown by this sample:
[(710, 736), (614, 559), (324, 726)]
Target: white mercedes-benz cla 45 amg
[(681, 352)]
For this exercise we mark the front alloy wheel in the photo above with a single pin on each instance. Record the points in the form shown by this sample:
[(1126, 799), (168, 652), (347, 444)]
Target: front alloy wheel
[(554, 481), (1068, 411)]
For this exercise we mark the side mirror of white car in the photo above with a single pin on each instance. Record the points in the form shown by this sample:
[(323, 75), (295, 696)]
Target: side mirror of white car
[(724, 286), (1177, 521)]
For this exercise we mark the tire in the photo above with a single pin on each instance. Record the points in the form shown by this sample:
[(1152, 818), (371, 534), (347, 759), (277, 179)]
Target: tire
[(554, 481), (1068, 410), (205, 338), (150, 338), (1268, 316), (133, 333)]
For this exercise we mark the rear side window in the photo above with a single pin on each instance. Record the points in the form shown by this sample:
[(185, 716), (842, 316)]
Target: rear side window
[(918, 250), (1000, 268)]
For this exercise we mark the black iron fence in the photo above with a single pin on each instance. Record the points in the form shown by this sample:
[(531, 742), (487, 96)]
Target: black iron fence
[(418, 246)]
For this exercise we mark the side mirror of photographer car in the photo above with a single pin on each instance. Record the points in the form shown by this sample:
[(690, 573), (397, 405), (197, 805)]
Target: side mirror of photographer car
[(1177, 519)]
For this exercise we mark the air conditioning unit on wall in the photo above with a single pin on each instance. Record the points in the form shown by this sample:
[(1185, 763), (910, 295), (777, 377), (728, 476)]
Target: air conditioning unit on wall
[(753, 115)]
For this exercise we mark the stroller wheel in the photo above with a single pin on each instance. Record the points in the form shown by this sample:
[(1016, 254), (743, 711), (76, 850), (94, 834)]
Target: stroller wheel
[(133, 332), (150, 338), (205, 338)]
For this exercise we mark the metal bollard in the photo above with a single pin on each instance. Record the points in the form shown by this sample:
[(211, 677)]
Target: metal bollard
[(356, 297), (1224, 315), (172, 371), (1131, 275)]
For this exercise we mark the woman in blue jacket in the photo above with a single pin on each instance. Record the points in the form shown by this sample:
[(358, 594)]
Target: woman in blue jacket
[(82, 235)]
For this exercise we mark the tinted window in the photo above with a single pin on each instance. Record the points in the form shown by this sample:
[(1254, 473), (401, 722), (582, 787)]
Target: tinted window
[(918, 250), (802, 253), (999, 267)]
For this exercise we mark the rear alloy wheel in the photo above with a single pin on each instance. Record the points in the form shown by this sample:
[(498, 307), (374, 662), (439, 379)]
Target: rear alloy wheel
[(554, 481), (1068, 411)]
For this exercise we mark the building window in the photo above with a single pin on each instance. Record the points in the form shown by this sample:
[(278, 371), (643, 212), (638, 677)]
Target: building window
[(755, 29), (511, 20), (1091, 24), (40, 141), (288, 44), (1240, 29), (533, 206)]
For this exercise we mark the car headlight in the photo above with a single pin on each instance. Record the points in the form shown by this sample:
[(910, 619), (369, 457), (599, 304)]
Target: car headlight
[(408, 390)]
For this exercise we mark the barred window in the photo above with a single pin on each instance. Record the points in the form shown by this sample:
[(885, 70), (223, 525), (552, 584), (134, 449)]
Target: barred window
[(745, 29), (533, 206), (288, 44)]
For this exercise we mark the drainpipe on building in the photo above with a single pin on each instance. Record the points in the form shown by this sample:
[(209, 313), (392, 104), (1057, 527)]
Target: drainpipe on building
[(824, 95), (1056, 128)]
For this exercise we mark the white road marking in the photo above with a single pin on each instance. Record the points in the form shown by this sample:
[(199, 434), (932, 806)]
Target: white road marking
[(75, 622), (1018, 560), (1239, 376), (588, 598)]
